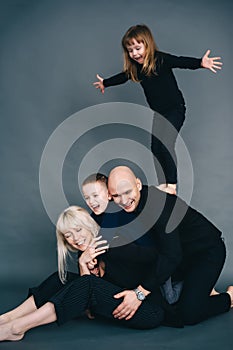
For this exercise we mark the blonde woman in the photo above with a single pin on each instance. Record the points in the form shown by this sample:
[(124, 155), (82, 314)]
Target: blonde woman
[(65, 295)]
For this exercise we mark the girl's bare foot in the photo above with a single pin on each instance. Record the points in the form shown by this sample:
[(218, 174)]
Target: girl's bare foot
[(168, 188), (230, 292), (214, 292), (8, 332), (172, 188)]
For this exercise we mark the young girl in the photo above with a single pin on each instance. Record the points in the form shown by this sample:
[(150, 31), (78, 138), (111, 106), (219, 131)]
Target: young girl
[(144, 63)]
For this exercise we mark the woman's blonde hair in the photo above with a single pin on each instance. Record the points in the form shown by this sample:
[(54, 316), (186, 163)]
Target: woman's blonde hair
[(142, 34), (71, 217)]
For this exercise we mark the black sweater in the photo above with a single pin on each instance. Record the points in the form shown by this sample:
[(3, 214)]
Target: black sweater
[(161, 89), (151, 261)]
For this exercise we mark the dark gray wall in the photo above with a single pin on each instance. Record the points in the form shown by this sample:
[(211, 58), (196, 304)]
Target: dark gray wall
[(50, 54)]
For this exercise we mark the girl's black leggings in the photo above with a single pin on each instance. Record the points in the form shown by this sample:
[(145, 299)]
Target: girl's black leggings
[(165, 129)]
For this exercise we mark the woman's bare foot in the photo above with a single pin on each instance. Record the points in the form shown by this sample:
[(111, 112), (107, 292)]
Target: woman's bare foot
[(9, 332), (4, 318), (230, 292), (214, 292)]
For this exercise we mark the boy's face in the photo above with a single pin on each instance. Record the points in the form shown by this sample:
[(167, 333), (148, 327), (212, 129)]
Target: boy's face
[(96, 196)]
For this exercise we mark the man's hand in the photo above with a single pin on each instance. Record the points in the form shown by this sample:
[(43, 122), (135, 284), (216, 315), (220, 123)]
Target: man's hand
[(129, 305)]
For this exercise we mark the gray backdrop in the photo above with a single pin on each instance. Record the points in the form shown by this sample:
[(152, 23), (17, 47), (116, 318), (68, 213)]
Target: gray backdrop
[(50, 54)]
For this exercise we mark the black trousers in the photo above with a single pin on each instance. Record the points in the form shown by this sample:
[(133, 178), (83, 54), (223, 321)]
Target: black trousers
[(88, 291), (166, 127), (201, 273)]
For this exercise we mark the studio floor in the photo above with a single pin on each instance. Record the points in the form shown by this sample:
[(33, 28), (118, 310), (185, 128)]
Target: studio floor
[(214, 334)]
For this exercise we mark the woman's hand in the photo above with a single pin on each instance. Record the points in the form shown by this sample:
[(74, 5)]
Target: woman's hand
[(93, 267), (211, 63), (92, 264), (88, 257), (99, 84)]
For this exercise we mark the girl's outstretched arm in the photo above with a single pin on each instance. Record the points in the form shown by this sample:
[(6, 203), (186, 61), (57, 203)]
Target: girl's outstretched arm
[(99, 84), (117, 79), (211, 63)]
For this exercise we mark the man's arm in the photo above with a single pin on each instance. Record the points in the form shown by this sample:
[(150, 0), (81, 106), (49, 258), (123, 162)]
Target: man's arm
[(130, 303)]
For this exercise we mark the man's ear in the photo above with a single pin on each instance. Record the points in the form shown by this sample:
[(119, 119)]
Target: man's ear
[(139, 184)]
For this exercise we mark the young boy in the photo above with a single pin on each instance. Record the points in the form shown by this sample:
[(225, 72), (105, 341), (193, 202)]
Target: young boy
[(95, 193)]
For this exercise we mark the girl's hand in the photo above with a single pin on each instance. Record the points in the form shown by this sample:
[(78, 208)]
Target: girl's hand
[(99, 84), (211, 63)]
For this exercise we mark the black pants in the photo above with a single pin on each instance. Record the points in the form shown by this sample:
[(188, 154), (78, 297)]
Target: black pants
[(166, 127), (88, 291), (201, 274)]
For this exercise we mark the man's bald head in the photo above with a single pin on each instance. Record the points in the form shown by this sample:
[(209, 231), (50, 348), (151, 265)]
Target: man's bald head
[(124, 187)]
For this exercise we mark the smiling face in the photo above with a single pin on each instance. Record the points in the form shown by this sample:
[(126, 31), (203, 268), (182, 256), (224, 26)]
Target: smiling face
[(96, 196), (79, 238), (136, 51), (125, 188)]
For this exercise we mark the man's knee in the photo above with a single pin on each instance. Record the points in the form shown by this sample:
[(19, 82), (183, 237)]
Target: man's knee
[(191, 317)]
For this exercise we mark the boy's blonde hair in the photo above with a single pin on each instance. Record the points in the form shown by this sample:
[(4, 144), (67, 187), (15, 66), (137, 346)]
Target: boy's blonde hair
[(96, 177), (73, 216), (142, 34)]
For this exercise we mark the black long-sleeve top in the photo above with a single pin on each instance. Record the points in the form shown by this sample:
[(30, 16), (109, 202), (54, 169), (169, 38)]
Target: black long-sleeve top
[(152, 262), (161, 89)]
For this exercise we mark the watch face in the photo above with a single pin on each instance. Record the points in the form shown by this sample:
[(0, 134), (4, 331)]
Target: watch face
[(140, 296)]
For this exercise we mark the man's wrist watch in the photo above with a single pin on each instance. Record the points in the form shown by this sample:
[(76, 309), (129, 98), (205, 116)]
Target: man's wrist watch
[(140, 295)]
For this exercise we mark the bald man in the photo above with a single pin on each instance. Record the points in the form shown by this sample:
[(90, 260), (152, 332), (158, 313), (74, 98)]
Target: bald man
[(189, 247)]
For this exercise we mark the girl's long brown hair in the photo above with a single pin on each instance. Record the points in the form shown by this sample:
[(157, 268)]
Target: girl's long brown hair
[(142, 34)]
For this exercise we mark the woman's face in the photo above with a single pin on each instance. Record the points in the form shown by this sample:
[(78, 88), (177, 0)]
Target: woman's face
[(137, 51), (78, 238)]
